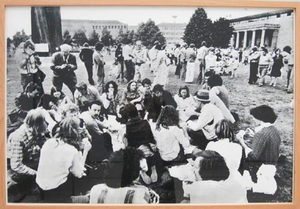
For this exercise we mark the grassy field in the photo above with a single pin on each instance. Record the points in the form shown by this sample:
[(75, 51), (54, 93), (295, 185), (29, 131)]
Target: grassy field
[(242, 97)]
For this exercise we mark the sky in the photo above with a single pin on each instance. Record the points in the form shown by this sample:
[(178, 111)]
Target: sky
[(18, 18)]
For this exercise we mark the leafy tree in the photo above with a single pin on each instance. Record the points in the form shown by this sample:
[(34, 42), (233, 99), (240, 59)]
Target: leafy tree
[(198, 29), (20, 37), (9, 42), (221, 33), (148, 33), (106, 37), (67, 37), (80, 37), (93, 38), (120, 36)]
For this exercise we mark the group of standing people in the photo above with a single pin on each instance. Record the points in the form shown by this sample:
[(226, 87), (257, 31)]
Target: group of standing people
[(263, 63)]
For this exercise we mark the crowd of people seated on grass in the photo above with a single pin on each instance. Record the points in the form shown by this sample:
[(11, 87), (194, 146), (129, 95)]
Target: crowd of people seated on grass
[(140, 144)]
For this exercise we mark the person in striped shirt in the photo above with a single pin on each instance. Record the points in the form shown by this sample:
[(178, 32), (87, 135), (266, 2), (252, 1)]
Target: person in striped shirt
[(121, 180)]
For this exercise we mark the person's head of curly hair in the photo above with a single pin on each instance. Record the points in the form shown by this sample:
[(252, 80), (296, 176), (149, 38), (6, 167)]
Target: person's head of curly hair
[(123, 167), (168, 117)]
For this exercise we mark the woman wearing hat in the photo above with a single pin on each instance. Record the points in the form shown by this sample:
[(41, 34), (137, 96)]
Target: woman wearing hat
[(202, 130), (264, 151)]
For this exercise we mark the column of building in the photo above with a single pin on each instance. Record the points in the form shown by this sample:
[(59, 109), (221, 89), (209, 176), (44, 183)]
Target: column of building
[(262, 38)]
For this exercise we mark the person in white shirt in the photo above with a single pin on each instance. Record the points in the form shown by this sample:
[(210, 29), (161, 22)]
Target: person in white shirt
[(288, 60), (171, 140), (201, 53), (210, 60), (191, 57), (139, 55), (226, 147), (264, 65), (202, 130), (184, 102), (127, 54), (217, 186), (183, 61), (60, 157)]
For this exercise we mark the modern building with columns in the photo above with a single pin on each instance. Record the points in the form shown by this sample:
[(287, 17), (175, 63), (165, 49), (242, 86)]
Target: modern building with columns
[(272, 29)]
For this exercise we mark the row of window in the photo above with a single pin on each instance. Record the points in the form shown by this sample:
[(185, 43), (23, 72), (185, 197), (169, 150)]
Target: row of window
[(263, 18), (171, 28), (172, 33), (109, 26)]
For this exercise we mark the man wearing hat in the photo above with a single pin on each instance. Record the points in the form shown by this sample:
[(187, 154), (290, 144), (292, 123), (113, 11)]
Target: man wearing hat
[(202, 130), (63, 67)]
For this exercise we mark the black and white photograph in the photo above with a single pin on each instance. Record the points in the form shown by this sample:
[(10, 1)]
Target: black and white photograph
[(149, 105)]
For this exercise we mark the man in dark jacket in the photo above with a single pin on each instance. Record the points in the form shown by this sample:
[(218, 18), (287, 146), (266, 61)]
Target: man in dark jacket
[(86, 56), (63, 66)]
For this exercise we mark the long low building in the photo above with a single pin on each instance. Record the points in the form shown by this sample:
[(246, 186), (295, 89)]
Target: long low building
[(88, 26), (271, 29)]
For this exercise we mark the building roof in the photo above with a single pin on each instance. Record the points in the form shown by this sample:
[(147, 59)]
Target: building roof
[(94, 21), (266, 14)]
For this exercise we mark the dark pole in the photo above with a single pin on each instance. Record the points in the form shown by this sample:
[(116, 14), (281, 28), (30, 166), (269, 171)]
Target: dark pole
[(46, 26)]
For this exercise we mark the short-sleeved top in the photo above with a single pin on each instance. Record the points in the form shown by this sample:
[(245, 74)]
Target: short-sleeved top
[(228, 191), (101, 193)]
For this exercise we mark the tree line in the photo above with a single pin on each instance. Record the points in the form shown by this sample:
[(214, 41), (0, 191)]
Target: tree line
[(200, 28)]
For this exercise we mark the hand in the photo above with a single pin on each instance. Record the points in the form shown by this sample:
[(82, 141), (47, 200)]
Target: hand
[(250, 132), (240, 136), (63, 66), (86, 144), (71, 66)]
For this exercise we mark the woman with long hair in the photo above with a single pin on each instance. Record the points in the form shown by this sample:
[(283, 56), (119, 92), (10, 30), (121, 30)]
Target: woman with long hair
[(61, 156), (121, 180), (171, 140), (25, 143), (276, 67), (110, 99)]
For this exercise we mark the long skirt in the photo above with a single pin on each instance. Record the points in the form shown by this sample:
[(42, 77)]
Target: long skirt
[(190, 71)]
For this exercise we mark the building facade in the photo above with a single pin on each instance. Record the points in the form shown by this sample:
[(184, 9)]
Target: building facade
[(272, 29), (88, 26), (173, 32)]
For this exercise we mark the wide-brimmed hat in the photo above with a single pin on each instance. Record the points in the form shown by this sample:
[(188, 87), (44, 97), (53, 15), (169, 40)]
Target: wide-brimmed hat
[(65, 48), (202, 95)]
